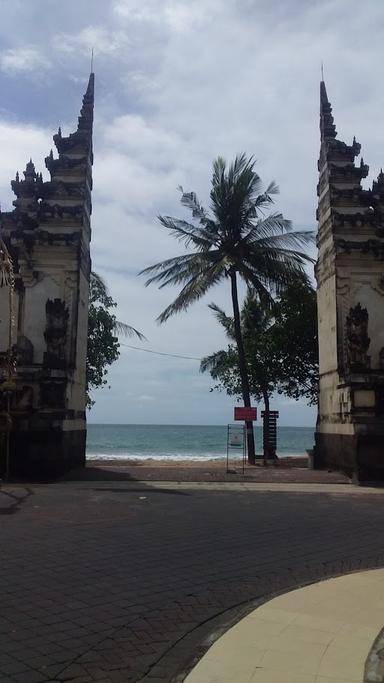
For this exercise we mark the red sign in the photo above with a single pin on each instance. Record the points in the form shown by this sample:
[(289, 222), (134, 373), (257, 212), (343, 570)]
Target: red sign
[(246, 414)]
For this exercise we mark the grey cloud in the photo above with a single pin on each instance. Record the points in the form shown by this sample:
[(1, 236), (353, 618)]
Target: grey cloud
[(23, 60), (178, 84)]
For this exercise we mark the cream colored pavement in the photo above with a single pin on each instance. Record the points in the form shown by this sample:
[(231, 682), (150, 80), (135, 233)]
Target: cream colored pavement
[(318, 634)]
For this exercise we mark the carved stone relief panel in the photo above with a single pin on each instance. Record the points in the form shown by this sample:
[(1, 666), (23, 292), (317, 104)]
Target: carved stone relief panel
[(23, 399), (23, 350), (368, 294), (52, 394), (56, 333), (381, 358), (357, 339), (343, 285), (70, 298), (29, 275), (343, 292)]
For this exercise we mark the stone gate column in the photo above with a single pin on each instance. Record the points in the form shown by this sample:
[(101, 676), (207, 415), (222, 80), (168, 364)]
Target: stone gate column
[(48, 235), (350, 295)]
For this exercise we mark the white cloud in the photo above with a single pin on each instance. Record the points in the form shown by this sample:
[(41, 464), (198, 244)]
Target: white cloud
[(186, 16), (101, 40), (175, 15), (136, 10), (136, 136), (23, 60)]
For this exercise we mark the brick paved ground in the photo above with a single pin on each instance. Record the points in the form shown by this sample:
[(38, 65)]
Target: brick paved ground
[(122, 582)]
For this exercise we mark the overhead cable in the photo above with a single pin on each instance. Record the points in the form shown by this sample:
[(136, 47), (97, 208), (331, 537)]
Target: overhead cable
[(159, 353)]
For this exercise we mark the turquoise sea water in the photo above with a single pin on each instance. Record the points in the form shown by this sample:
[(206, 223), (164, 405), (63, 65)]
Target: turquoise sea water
[(191, 442)]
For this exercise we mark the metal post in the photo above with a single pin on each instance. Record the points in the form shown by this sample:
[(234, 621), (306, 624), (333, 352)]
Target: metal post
[(244, 449), (7, 438), (227, 448)]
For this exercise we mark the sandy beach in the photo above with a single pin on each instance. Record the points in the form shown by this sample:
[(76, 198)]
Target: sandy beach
[(285, 469), (217, 463)]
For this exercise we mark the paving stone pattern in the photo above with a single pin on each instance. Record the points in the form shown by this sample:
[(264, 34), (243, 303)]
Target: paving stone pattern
[(123, 582)]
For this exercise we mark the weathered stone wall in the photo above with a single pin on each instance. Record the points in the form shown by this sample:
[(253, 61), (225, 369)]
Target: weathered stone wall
[(350, 280), (48, 236)]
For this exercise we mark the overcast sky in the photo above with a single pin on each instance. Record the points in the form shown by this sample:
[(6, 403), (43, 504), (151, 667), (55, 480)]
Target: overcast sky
[(178, 83)]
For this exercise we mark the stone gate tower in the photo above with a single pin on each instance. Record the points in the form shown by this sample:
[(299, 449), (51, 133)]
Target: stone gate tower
[(48, 235), (350, 292)]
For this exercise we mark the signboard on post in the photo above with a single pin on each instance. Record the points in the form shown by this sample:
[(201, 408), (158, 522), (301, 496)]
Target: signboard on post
[(235, 436), (246, 414)]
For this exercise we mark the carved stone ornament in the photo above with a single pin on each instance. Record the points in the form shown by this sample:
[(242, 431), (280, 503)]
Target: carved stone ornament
[(357, 338), (366, 247), (7, 365), (56, 333), (23, 399), (52, 394), (50, 211), (381, 359), (23, 350)]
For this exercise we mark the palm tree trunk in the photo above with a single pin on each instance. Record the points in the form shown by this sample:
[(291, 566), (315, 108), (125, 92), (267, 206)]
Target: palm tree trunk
[(242, 365)]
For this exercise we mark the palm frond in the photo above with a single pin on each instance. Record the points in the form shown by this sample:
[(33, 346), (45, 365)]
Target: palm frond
[(187, 232), (286, 241), (225, 320), (213, 362), (163, 269), (190, 200), (276, 268), (233, 192), (98, 280), (194, 289), (128, 331), (257, 281), (181, 268), (272, 188), (273, 224)]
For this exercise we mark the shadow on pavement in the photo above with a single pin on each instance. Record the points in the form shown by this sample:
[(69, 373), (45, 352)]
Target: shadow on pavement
[(14, 501), (97, 474), (148, 489)]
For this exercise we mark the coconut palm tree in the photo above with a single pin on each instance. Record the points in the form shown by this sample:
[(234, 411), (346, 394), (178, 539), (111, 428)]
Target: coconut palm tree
[(236, 240)]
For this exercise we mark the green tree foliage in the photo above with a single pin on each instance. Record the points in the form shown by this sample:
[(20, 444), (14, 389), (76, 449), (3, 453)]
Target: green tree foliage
[(223, 365), (103, 329), (294, 344), (280, 345), (237, 239)]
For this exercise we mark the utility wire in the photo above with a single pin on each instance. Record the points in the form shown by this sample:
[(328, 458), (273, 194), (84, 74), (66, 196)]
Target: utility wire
[(159, 353)]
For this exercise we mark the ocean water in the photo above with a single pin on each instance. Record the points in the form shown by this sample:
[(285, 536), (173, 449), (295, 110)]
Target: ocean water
[(191, 442)]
